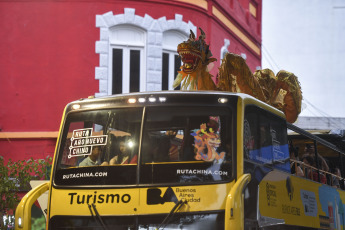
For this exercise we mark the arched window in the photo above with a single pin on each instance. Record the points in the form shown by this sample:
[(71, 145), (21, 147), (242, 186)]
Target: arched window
[(133, 49), (127, 59), (171, 62)]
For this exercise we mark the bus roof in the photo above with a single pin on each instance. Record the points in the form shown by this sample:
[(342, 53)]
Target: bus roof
[(178, 94)]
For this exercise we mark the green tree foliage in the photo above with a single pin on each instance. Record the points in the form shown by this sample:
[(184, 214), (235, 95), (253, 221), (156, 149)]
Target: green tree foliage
[(16, 176)]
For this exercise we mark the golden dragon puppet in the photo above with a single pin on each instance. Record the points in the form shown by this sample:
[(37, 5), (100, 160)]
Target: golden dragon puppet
[(282, 91)]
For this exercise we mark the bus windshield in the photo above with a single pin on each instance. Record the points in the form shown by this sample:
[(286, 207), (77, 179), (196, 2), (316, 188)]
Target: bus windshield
[(127, 146)]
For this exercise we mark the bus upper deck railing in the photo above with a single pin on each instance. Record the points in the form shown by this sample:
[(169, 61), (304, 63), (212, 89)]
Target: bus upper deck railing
[(308, 171)]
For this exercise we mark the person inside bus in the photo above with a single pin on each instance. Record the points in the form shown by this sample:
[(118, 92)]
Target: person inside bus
[(310, 150), (295, 168), (312, 173), (174, 145), (94, 158), (336, 179), (112, 148), (161, 149), (124, 156)]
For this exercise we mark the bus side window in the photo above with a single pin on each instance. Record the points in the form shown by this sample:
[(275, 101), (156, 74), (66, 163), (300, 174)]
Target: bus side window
[(156, 146), (161, 149), (166, 146), (175, 143), (280, 147), (265, 138), (254, 135)]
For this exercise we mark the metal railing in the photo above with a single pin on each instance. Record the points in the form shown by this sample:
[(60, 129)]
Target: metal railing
[(308, 173)]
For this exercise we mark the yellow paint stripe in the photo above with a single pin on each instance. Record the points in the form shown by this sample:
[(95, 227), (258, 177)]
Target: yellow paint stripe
[(236, 31), (200, 3), (252, 9), (25, 135), (227, 22)]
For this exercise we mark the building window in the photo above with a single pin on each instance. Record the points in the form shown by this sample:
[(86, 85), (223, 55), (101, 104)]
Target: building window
[(165, 71), (171, 62), (134, 71), (127, 59), (117, 71), (126, 65), (170, 65), (138, 53)]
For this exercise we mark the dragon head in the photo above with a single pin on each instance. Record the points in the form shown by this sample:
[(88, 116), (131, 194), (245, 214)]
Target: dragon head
[(194, 53)]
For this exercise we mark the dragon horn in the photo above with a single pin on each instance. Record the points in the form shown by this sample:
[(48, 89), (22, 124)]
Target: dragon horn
[(192, 36), (202, 36)]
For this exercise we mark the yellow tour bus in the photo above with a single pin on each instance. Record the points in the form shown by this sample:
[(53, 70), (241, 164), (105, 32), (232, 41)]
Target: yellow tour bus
[(186, 160)]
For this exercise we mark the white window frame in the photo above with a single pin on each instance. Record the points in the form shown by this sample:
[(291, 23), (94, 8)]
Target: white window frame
[(127, 37), (126, 67), (170, 41), (152, 45), (171, 76)]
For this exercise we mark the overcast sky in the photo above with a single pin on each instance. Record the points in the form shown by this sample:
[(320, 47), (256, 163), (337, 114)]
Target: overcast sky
[(307, 37)]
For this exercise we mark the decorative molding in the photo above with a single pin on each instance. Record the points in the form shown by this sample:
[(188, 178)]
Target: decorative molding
[(154, 29)]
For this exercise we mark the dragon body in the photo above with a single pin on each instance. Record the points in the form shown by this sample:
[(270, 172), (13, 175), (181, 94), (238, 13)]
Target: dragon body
[(282, 91)]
